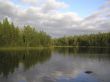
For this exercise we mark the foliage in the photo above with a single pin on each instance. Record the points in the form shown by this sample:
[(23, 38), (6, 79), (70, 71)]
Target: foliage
[(11, 35), (100, 40)]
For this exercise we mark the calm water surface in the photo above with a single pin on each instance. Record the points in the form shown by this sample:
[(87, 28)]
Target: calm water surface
[(56, 65)]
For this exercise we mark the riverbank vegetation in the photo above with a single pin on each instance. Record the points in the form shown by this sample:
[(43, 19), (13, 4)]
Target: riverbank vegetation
[(13, 36), (91, 40)]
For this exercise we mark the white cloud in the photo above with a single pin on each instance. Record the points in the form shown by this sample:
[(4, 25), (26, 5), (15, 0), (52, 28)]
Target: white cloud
[(31, 2), (53, 5)]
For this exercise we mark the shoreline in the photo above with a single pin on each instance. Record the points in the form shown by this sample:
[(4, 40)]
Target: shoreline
[(22, 48), (82, 46), (50, 47)]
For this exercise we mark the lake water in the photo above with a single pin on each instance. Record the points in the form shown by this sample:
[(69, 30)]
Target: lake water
[(56, 65)]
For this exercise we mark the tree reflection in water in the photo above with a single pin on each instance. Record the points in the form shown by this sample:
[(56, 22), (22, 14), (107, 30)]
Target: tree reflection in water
[(9, 60)]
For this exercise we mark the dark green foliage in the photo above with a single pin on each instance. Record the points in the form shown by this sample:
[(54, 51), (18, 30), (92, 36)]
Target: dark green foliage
[(11, 36), (99, 40)]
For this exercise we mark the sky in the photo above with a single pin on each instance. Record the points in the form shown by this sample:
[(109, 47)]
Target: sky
[(83, 7), (59, 17)]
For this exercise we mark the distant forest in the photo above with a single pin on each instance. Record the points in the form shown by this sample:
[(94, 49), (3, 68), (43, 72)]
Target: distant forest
[(93, 40), (13, 36)]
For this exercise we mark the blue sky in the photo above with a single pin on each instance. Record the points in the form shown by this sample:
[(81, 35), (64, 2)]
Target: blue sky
[(18, 2), (83, 7)]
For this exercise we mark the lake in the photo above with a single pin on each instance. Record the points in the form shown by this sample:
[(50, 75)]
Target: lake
[(55, 65)]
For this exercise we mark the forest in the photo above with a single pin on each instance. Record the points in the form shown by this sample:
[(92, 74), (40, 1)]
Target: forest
[(91, 40), (12, 36), (28, 36)]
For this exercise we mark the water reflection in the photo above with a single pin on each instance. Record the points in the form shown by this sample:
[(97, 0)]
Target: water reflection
[(9, 60), (99, 53), (82, 77), (57, 65)]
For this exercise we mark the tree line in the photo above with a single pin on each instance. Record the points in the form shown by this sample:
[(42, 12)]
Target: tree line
[(14, 36), (11, 36), (100, 40)]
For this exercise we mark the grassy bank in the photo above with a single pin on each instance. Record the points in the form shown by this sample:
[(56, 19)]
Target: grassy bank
[(23, 48)]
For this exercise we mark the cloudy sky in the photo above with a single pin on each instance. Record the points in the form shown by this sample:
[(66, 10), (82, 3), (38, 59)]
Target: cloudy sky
[(59, 17)]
